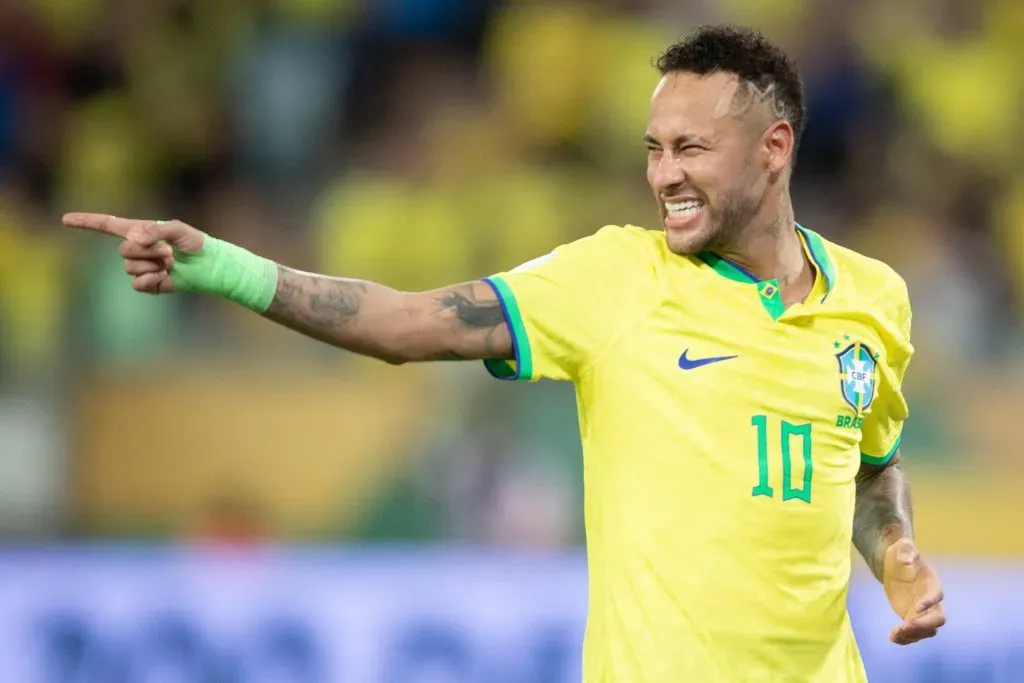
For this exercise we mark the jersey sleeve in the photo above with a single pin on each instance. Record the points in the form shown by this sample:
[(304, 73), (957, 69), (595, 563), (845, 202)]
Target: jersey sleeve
[(564, 308), (883, 425)]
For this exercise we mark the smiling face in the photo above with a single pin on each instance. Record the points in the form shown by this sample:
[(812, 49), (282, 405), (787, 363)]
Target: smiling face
[(715, 151)]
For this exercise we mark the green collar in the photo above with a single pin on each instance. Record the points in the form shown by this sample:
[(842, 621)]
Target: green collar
[(815, 248)]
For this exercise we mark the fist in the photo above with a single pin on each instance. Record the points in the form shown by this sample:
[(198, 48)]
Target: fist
[(147, 247)]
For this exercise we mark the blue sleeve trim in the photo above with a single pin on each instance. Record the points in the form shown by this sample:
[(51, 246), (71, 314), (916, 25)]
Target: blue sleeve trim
[(500, 368)]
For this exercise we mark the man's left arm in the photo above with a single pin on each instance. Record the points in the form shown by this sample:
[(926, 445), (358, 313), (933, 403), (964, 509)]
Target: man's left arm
[(883, 513), (883, 533)]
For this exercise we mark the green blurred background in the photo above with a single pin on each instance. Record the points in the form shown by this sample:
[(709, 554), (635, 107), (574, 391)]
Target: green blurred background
[(421, 143)]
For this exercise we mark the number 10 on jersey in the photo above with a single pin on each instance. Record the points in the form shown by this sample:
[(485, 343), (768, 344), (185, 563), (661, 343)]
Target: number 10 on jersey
[(790, 433)]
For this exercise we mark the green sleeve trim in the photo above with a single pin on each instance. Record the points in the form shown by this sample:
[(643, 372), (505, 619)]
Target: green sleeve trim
[(883, 459), (502, 369)]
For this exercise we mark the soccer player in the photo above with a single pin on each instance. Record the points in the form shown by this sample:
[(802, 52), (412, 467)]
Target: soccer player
[(738, 381)]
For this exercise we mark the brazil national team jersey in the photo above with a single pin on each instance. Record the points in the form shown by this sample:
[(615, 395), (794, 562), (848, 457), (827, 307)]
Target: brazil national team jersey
[(721, 437)]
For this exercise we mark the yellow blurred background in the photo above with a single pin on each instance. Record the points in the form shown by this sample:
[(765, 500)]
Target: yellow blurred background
[(422, 143)]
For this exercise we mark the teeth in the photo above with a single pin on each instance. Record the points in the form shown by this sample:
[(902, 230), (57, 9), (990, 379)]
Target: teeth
[(682, 208)]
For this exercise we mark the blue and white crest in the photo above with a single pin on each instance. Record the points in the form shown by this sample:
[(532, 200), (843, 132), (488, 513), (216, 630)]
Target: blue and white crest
[(858, 376)]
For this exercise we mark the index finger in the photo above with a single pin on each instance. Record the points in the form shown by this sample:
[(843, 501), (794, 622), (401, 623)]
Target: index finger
[(920, 625), (99, 222), (930, 600), (934, 619)]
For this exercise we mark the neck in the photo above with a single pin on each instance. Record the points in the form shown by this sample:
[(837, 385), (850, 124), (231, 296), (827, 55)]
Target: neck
[(769, 247)]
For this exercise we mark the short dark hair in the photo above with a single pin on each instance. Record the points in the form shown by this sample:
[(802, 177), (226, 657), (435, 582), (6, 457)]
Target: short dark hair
[(748, 54)]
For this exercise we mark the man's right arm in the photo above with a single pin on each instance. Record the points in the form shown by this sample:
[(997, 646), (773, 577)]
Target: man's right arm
[(460, 322)]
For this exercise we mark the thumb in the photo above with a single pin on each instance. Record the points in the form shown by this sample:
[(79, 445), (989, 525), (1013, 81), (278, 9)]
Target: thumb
[(906, 551), (182, 237), (901, 561)]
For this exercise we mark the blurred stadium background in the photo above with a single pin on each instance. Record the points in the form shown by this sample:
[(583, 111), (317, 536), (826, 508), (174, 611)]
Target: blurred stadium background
[(188, 493)]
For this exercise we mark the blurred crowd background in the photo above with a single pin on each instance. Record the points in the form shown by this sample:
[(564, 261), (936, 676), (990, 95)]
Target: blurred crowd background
[(424, 142)]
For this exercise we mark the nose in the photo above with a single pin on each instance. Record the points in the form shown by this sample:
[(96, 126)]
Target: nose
[(667, 174)]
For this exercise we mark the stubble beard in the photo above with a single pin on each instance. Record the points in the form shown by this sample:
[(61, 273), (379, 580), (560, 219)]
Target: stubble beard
[(728, 220), (732, 221)]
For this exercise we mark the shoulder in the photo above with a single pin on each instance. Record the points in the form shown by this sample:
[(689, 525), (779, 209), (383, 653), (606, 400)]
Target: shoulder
[(626, 239), (628, 248), (613, 249), (871, 280), (874, 287)]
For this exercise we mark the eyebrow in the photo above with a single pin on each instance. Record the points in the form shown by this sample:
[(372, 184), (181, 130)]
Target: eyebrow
[(681, 140)]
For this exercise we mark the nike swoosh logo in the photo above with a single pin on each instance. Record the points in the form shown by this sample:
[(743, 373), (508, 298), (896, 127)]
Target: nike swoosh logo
[(693, 363)]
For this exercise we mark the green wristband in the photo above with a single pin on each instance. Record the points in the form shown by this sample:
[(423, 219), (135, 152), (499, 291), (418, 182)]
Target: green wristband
[(224, 269)]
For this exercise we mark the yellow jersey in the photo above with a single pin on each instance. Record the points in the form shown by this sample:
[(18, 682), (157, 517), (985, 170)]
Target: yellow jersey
[(721, 436)]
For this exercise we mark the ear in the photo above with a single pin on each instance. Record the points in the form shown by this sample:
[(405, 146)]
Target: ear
[(778, 145)]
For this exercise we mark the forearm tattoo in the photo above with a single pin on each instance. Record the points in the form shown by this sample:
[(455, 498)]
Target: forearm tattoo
[(883, 512), (463, 322), (316, 303)]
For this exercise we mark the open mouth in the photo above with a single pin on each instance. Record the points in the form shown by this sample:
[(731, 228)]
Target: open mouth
[(682, 214)]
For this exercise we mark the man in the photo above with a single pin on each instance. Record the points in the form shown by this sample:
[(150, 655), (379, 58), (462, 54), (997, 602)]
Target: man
[(738, 380)]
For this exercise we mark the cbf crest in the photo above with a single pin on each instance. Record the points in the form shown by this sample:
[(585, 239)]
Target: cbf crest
[(858, 376)]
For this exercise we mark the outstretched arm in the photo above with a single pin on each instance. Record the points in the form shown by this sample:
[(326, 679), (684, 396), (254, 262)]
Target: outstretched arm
[(460, 322), (883, 533)]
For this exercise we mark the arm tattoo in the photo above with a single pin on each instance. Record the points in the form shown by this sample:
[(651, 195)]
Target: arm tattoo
[(317, 302), (470, 312), (480, 315), (456, 323), (883, 512)]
